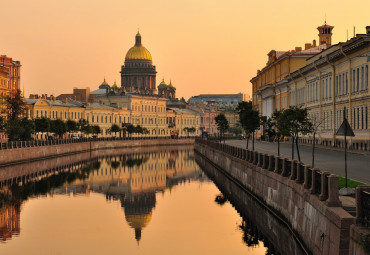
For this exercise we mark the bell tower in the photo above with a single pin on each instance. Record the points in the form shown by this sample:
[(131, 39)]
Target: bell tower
[(325, 33)]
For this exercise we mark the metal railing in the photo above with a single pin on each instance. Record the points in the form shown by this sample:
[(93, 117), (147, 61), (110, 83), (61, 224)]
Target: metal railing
[(297, 171), (37, 143)]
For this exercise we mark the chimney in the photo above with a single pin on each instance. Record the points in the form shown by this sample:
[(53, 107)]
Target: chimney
[(307, 46), (368, 30), (298, 49), (65, 100), (314, 43)]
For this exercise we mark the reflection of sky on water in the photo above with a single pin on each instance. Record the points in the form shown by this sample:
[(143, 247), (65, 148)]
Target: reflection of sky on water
[(161, 201)]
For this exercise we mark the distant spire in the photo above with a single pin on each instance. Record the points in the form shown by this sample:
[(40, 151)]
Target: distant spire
[(325, 18), (23, 92)]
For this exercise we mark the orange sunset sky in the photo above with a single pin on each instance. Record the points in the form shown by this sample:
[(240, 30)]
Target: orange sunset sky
[(204, 46)]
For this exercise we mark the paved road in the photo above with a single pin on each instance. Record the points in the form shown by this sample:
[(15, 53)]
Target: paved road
[(327, 159)]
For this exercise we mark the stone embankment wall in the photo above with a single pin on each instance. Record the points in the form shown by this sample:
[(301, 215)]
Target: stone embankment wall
[(27, 154), (39, 169), (306, 199)]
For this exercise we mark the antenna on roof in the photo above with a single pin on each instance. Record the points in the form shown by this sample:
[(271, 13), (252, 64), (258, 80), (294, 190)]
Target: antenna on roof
[(347, 34), (354, 31), (325, 18)]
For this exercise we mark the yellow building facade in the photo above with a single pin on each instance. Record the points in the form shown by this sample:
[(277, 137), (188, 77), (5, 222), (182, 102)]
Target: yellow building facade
[(3, 87), (148, 111), (269, 92), (333, 83)]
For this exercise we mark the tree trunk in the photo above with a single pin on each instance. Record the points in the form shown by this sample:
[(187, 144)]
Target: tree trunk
[(292, 148), (313, 150), (253, 141), (296, 143), (247, 141)]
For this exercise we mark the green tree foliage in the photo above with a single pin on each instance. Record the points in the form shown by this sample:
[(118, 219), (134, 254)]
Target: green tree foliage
[(249, 119), (20, 129), (293, 122), (16, 107), (59, 127), (96, 130), (42, 125), (278, 129), (139, 130), (114, 129), (88, 129), (28, 127), (146, 131), (268, 128), (72, 126), (222, 125), (130, 129)]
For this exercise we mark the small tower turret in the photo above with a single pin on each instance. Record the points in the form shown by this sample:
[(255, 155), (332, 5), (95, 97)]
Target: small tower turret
[(325, 33)]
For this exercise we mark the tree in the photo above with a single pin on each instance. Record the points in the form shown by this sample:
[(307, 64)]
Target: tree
[(16, 107), (28, 127), (222, 125), (20, 129), (146, 131), (316, 123), (130, 129), (42, 125), (192, 130), (249, 119), (138, 129), (96, 130), (88, 129), (72, 126), (115, 128), (268, 128), (83, 126), (279, 129), (59, 127), (294, 121)]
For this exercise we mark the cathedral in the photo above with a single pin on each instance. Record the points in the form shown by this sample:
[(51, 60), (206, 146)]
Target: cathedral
[(138, 74)]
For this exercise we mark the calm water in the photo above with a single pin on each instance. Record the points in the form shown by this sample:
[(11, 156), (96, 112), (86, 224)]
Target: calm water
[(135, 202)]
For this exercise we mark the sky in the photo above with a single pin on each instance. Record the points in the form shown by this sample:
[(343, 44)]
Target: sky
[(202, 46)]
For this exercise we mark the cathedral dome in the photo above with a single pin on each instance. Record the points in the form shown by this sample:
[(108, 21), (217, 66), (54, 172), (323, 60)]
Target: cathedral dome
[(138, 51)]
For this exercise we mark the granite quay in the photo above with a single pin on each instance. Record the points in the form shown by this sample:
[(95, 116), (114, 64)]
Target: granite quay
[(305, 198), (24, 151), (326, 158)]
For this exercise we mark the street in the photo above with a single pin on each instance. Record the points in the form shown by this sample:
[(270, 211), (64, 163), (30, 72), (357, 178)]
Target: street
[(326, 158)]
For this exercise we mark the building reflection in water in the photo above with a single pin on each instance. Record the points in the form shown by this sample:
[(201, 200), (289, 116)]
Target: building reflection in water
[(133, 179), (9, 221)]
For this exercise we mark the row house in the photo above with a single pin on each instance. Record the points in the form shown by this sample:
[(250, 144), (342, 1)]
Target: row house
[(334, 84)]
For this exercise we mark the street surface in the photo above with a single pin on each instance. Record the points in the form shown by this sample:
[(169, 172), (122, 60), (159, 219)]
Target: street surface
[(326, 158)]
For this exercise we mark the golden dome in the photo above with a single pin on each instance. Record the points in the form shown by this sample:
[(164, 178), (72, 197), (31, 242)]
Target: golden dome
[(138, 51), (138, 220), (115, 85), (163, 82)]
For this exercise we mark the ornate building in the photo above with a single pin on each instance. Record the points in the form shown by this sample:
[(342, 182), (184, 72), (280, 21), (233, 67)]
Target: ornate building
[(138, 73), (167, 91), (14, 68)]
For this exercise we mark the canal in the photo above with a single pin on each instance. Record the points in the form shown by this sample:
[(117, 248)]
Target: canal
[(136, 201)]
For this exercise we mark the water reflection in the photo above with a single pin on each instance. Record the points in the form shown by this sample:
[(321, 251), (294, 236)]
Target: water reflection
[(258, 224), (134, 179)]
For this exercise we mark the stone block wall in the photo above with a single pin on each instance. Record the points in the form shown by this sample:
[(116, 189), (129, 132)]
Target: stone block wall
[(27, 154), (318, 218)]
